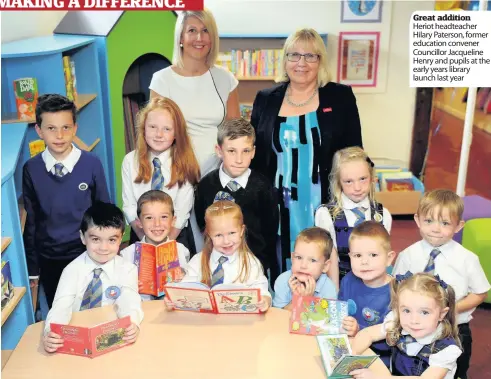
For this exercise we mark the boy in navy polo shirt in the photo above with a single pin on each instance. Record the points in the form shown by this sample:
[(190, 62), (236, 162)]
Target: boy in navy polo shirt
[(58, 186), (308, 275), (367, 285)]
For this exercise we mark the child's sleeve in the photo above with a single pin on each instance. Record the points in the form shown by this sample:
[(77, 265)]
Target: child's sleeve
[(323, 220), (200, 204), (387, 220), (282, 292), (343, 290), (31, 205), (129, 198), (478, 282), (100, 191), (402, 263), (183, 204), (129, 302), (446, 358), (183, 255), (193, 272), (66, 292)]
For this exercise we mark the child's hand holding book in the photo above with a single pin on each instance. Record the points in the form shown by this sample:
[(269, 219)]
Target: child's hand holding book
[(131, 333), (264, 304), (52, 342), (351, 326)]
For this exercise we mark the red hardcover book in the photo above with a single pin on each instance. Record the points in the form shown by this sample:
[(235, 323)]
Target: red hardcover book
[(398, 185), (94, 341), (157, 265)]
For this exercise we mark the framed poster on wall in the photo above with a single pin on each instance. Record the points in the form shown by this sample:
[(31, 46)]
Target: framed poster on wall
[(358, 58), (361, 10)]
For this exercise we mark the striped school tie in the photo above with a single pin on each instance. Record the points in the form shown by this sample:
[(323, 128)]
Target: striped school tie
[(430, 266), (233, 185), (217, 277), (59, 170), (404, 341), (93, 294), (157, 178), (360, 214)]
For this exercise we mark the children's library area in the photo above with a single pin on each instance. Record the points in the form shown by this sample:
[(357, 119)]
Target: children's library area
[(251, 190)]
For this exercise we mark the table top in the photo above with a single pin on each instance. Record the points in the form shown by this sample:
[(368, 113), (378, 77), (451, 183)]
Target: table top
[(182, 345)]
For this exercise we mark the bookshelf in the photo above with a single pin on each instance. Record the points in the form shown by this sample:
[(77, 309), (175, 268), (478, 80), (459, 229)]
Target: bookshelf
[(18, 313), (250, 85), (42, 58)]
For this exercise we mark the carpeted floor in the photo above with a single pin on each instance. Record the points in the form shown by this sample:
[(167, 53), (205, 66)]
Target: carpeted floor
[(404, 233)]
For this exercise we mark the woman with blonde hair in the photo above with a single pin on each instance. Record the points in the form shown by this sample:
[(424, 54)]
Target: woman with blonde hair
[(163, 160), (205, 93), (300, 123)]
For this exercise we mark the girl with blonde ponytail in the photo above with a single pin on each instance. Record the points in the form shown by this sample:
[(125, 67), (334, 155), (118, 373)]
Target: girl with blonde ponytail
[(421, 328)]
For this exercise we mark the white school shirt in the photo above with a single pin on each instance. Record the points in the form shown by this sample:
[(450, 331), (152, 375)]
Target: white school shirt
[(242, 179), (446, 358), (455, 265), (77, 276), (231, 270), (323, 217), (128, 255), (68, 163), (183, 198), (202, 107)]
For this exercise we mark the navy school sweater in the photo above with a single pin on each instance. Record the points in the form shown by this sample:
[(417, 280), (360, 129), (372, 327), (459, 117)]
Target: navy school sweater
[(55, 207)]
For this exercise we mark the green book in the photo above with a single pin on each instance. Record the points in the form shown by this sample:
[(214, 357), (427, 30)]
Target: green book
[(337, 356)]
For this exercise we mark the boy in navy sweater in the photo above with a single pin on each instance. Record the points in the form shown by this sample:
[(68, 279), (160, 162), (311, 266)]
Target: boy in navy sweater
[(58, 186)]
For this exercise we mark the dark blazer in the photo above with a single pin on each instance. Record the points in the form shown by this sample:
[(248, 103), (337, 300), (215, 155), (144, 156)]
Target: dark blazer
[(339, 124)]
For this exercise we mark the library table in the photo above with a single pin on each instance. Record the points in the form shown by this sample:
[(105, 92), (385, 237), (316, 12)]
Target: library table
[(181, 345)]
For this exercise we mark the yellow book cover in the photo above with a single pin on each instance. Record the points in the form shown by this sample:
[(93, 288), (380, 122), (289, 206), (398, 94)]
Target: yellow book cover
[(36, 147)]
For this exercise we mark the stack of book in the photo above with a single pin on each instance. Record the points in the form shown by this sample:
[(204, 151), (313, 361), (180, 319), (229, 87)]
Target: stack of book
[(394, 179), (251, 63)]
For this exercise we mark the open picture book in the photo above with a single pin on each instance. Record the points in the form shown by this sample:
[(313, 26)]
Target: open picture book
[(337, 357), (94, 341), (223, 298), (157, 265), (315, 315)]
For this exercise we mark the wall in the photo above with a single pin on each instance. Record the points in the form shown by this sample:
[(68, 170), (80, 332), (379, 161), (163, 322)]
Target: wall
[(22, 24), (386, 116)]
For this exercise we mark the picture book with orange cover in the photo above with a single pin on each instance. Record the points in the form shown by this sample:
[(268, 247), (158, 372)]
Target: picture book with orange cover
[(223, 298), (94, 341), (157, 265), (316, 316)]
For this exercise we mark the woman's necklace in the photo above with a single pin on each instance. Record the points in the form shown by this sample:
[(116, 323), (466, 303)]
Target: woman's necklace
[(289, 101)]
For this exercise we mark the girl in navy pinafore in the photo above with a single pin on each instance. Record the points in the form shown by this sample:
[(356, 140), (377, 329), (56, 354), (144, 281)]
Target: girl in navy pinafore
[(421, 329), (352, 183)]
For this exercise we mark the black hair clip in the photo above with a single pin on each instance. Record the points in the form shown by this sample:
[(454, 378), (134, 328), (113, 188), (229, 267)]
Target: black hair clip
[(370, 162)]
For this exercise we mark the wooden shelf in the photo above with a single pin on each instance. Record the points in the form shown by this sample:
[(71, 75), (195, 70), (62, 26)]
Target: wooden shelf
[(256, 78), (9, 308), (82, 101), (5, 357), (5, 242), (83, 146)]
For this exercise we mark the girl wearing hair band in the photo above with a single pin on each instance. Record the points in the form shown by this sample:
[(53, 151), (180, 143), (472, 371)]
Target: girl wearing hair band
[(226, 258), (421, 327), (352, 182)]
